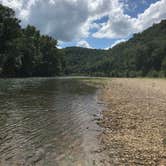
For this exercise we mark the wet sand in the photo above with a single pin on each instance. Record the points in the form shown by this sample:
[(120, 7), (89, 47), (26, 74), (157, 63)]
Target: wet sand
[(134, 121)]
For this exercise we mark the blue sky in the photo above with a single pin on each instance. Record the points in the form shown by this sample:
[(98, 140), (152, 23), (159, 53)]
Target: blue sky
[(138, 6), (89, 23)]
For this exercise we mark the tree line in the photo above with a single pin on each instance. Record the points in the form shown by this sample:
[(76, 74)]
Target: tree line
[(24, 52)]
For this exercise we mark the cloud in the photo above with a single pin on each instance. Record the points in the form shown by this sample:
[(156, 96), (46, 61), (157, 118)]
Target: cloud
[(59, 47), (62, 19), (154, 14), (69, 20), (118, 42), (121, 25), (65, 20), (84, 44)]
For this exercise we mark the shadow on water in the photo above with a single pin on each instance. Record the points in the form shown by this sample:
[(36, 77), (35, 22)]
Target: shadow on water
[(47, 122)]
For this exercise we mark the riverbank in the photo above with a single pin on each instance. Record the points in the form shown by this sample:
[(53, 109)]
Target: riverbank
[(134, 121)]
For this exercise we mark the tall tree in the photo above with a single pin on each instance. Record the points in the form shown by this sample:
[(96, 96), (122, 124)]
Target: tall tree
[(10, 31)]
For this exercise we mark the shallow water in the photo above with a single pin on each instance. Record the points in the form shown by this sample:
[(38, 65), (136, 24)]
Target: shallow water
[(47, 121)]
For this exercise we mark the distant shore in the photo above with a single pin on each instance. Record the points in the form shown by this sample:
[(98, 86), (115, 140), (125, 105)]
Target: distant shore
[(134, 121)]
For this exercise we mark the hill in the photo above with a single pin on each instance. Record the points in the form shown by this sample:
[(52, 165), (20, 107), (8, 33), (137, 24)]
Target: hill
[(80, 61), (143, 55)]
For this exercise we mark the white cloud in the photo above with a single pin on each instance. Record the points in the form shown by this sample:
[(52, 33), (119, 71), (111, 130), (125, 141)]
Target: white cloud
[(154, 14), (15, 4), (115, 43), (84, 44), (64, 19), (59, 47), (121, 25), (118, 42), (68, 20)]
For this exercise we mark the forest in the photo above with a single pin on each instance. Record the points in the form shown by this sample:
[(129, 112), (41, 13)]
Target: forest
[(25, 52)]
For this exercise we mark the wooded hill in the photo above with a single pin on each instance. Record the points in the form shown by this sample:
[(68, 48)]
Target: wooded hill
[(80, 61), (143, 55)]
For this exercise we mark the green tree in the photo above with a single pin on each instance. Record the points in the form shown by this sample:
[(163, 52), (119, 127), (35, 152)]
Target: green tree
[(24, 52)]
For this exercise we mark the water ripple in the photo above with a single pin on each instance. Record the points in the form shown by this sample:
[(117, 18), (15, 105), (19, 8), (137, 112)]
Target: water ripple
[(46, 121)]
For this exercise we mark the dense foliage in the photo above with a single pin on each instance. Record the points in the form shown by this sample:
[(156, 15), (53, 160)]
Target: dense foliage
[(143, 55), (80, 61), (25, 52)]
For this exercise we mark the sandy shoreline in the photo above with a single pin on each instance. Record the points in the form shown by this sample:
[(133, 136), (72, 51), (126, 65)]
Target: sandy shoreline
[(134, 121)]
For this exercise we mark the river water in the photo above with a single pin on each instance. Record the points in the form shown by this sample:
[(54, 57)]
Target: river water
[(48, 122)]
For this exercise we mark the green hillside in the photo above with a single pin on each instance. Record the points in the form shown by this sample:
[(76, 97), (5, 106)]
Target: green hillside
[(143, 55), (79, 61)]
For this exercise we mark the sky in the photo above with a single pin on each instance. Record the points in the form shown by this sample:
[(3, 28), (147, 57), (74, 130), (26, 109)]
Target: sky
[(99, 24)]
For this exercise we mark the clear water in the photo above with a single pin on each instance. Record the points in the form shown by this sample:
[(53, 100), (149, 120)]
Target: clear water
[(47, 122)]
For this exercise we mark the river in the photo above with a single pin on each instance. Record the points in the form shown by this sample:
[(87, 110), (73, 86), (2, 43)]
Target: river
[(48, 122)]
